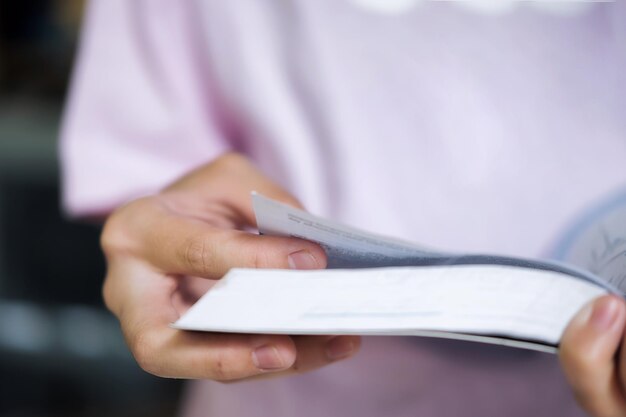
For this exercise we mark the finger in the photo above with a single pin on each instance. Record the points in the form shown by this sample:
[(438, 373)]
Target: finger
[(232, 357), (143, 305), (316, 351), (588, 355), (168, 352), (182, 245), (186, 246)]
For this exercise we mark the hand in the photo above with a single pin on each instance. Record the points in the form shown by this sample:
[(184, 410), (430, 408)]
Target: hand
[(592, 360), (162, 251)]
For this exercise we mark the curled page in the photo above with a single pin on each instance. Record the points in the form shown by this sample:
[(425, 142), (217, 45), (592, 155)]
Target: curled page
[(348, 247), (597, 242)]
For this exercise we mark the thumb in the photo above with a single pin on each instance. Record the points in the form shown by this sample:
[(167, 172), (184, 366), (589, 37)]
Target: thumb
[(588, 355)]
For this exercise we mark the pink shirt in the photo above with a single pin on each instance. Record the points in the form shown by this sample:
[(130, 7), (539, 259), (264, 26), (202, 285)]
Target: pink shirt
[(456, 125)]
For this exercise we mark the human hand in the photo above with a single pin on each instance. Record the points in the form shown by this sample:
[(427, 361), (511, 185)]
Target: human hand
[(162, 251), (593, 362)]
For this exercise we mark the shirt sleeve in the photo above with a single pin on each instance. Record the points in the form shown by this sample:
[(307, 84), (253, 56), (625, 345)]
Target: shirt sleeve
[(141, 110)]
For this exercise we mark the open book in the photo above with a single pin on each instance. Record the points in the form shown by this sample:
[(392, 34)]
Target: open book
[(375, 285)]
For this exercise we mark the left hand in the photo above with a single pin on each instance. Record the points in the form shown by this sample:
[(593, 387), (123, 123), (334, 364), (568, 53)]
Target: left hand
[(593, 362)]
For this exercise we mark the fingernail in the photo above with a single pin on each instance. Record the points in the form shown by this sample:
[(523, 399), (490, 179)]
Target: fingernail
[(604, 314), (302, 260), (267, 358), (339, 347)]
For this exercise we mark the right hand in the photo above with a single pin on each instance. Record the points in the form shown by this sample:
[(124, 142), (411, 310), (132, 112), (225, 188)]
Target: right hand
[(163, 251)]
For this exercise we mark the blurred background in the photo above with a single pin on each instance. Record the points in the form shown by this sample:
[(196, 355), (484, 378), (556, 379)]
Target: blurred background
[(61, 352)]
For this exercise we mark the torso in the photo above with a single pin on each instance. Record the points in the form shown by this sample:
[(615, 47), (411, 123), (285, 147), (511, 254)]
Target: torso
[(454, 128)]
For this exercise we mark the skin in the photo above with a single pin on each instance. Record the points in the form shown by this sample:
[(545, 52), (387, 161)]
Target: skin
[(592, 360), (164, 251)]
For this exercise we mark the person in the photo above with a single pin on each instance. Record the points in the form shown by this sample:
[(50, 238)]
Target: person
[(468, 126)]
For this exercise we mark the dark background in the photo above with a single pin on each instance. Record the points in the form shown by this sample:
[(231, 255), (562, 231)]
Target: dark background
[(61, 352)]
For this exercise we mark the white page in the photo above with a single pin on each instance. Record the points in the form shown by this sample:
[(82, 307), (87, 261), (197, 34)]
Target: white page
[(520, 303)]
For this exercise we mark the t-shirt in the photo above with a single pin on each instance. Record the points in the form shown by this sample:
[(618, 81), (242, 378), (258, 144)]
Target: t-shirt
[(465, 126)]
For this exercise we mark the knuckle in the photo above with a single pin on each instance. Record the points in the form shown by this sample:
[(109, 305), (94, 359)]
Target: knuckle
[(196, 254), (264, 255), (107, 294), (230, 162), (261, 259), (145, 353), (112, 235), (117, 233), (220, 368), (229, 158)]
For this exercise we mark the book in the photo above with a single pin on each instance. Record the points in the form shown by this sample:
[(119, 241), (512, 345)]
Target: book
[(377, 285)]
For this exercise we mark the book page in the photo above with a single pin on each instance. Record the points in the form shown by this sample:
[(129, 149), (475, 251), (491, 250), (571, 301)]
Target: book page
[(598, 242), (348, 247), (491, 300)]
